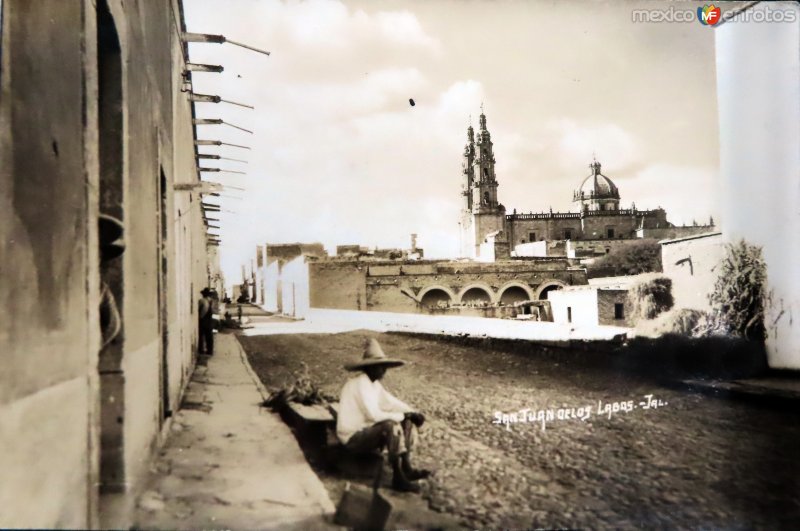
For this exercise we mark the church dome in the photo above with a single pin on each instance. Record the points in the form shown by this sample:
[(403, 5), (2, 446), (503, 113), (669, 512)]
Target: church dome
[(597, 186)]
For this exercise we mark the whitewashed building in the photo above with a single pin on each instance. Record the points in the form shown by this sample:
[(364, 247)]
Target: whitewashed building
[(758, 83)]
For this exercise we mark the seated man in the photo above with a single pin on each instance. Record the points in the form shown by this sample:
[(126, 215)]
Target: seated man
[(370, 418)]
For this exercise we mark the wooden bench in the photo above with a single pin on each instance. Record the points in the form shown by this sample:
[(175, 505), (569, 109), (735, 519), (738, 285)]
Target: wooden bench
[(313, 423), (314, 413), (317, 425)]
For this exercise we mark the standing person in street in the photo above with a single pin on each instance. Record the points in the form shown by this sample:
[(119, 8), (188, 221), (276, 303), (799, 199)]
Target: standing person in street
[(205, 314), (213, 298), (370, 418)]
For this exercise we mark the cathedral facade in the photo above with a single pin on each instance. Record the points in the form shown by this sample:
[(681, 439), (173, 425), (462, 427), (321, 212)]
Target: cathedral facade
[(597, 225)]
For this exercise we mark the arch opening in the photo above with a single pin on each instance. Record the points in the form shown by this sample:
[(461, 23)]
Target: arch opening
[(436, 298), (544, 293), (476, 295), (514, 294)]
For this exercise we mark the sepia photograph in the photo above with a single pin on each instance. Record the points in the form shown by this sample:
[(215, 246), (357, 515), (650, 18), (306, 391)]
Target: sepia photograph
[(399, 264)]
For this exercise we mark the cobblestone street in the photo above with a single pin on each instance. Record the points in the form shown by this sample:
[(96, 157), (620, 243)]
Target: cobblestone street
[(696, 461)]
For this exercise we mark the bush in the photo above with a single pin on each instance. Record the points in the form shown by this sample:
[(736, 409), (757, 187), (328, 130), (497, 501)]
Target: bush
[(737, 300), (641, 256), (650, 297)]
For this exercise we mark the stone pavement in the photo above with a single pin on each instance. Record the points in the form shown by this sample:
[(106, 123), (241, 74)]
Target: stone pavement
[(229, 463), (694, 462)]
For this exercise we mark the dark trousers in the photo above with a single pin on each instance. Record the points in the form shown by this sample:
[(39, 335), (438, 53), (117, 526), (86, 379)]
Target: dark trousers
[(206, 338), (396, 437)]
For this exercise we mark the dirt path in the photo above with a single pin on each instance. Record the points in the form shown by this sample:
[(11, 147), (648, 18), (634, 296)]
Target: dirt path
[(694, 462)]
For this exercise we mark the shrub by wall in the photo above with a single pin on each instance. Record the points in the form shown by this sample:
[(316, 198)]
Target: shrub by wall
[(739, 293)]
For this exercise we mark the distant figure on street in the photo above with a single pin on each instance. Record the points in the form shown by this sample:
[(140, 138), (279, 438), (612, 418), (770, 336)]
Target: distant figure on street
[(244, 297), (205, 315), (213, 297), (370, 418)]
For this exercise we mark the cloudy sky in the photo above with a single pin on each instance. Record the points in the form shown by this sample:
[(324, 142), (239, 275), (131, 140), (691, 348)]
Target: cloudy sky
[(339, 156)]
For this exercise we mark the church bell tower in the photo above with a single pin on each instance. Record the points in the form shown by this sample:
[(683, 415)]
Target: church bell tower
[(482, 215), (484, 190), (467, 237), (467, 170)]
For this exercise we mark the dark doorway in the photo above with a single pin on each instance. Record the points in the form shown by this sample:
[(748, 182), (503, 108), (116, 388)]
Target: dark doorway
[(112, 273), (163, 304)]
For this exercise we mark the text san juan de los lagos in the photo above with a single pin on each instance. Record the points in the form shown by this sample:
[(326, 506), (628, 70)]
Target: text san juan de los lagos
[(582, 413)]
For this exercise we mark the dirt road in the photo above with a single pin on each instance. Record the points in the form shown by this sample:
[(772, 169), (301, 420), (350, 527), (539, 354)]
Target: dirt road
[(693, 462)]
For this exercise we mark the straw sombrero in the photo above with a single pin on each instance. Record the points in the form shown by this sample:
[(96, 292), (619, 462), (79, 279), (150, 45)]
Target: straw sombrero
[(373, 355)]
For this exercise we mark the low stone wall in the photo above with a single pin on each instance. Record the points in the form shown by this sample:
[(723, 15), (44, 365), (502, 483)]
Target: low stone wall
[(672, 356)]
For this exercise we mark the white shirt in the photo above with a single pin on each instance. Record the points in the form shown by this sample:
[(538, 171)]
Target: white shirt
[(362, 403)]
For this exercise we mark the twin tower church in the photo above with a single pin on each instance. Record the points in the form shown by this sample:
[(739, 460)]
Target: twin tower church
[(598, 225)]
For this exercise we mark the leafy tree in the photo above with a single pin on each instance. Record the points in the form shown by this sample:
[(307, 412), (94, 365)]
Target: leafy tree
[(641, 256)]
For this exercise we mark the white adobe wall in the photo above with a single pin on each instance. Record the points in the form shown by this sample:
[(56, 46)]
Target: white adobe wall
[(538, 249), (693, 266), (582, 301), (758, 82), (294, 285), (272, 273)]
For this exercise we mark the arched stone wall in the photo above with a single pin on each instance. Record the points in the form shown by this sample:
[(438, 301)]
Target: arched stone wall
[(526, 288), (442, 289), (480, 286)]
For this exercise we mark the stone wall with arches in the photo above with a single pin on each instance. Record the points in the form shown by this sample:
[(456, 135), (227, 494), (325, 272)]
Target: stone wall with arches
[(429, 286)]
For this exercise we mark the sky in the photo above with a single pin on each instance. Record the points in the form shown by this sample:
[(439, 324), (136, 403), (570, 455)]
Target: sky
[(339, 156)]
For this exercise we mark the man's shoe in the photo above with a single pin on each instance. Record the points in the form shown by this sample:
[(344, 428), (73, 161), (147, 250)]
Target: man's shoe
[(411, 473), (403, 485)]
